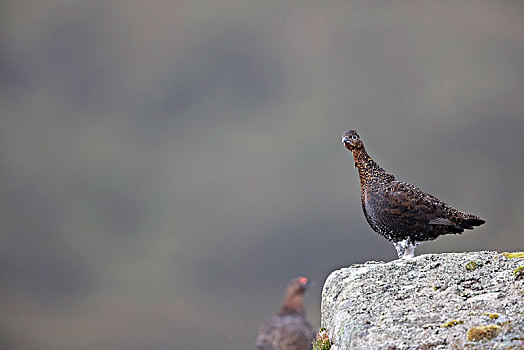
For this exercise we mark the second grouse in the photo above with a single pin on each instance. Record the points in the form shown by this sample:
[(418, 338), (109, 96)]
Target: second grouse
[(400, 212), (289, 329)]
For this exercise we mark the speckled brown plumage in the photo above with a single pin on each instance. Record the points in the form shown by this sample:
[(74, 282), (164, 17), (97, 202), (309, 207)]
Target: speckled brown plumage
[(289, 328), (400, 212)]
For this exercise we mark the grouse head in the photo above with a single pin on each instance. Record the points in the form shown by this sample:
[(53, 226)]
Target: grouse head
[(351, 140), (294, 301), (298, 285)]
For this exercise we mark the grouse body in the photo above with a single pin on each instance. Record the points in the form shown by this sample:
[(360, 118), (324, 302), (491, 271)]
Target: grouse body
[(400, 212), (289, 328)]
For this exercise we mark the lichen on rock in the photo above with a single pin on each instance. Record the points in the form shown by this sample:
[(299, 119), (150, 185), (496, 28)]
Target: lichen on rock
[(479, 333), (492, 316), (519, 272), (514, 255), (451, 323), (473, 265)]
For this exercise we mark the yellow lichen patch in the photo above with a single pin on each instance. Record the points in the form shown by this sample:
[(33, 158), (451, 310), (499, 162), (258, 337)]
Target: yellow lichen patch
[(513, 255), (492, 316), (473, 265), (483, 332), (519, 272), (451, 323)]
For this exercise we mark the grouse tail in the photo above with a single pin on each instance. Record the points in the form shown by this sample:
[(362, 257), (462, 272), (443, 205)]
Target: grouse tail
[(470, 221)]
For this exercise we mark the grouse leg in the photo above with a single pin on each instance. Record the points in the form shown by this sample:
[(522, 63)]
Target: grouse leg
[(406, 248)]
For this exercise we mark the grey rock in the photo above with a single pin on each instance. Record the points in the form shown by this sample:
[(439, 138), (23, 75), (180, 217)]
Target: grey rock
[(412, 303)]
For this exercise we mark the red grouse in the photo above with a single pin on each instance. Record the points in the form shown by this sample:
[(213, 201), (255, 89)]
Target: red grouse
[(400, 212), (288, 329)]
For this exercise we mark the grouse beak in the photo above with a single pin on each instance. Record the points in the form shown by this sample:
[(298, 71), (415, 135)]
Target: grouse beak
[(346, 142)]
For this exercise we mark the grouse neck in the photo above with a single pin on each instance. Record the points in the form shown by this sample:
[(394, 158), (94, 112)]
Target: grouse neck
[(293, 305), (368, 169)]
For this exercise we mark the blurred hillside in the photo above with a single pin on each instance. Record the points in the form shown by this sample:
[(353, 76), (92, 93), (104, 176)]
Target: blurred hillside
[(167, 167)]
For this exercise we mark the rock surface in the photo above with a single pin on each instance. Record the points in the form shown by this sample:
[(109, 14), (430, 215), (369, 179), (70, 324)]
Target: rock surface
[(435, 301)]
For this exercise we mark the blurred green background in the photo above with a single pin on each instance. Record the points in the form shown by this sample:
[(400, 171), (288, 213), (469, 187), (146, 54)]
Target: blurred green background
[(168, 166)]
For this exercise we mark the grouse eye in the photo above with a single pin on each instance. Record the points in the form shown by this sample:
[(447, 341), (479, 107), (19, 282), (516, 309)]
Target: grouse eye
[(354, 137)]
